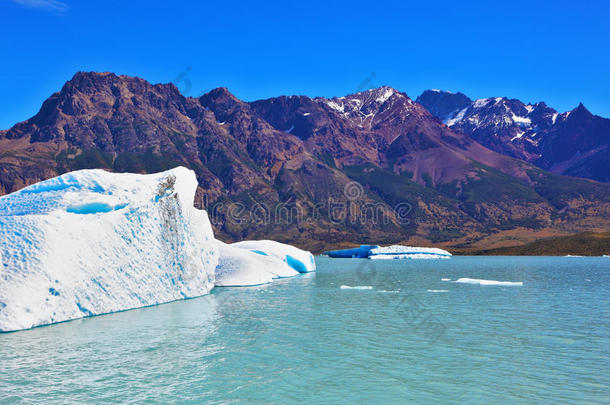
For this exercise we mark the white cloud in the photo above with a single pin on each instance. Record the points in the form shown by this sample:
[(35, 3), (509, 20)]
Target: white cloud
[(54, 6)]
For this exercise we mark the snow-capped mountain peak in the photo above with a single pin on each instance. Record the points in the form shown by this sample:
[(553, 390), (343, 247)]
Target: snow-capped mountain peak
[(532, 132), (443, 104), (362, 107)]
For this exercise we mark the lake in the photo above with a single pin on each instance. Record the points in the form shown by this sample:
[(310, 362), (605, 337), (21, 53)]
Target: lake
[(356, 331)]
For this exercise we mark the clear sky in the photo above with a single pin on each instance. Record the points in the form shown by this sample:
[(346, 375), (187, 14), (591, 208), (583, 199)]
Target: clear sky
[(555, 51)]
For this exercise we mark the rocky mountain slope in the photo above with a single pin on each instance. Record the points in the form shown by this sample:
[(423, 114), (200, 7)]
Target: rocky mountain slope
[(575, 143), (368, 167)]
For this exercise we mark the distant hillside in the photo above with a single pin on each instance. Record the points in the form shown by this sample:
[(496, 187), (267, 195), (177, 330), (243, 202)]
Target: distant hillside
[(582, 244)]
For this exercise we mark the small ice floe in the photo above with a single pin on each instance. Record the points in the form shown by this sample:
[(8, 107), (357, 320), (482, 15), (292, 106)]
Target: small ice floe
[(357, 287), (488, 282), (445, 279), (408, 252), (438, 291), (390, 252), (389, 291)]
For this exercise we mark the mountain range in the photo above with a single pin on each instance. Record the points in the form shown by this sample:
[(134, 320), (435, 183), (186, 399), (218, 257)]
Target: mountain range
[(574, 143), (371, 167)]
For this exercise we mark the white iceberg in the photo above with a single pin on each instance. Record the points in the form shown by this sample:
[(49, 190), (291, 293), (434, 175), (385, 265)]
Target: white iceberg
[(300, 260), (92, 242), (242, 267), (488, 282), (408, 252)]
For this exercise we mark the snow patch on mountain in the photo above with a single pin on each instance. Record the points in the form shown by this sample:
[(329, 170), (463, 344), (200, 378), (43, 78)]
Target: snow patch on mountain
[(362, 108), (385, 95), (522, 120), (456, 118), (335, 106), (482, 102)]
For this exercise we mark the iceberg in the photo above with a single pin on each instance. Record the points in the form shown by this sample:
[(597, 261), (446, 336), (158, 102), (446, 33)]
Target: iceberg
[(361, 252), (408, 252), (92, 242), (300, 260), (242, 267), (488, 282), (390, 252), (356, 287)]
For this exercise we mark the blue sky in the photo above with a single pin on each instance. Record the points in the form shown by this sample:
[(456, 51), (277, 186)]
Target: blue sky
[(556, 51)]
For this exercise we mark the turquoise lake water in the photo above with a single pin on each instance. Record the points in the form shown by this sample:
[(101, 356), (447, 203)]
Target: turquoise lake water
[(404, 335)]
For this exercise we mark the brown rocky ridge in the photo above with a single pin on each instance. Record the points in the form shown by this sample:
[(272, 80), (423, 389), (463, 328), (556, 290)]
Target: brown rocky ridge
[(371, 167)]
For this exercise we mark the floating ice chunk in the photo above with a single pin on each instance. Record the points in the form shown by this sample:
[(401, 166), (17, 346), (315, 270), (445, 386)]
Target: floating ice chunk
[(91, 242), (488, 282), (357, 287), (445, 279), (300, 260), (360, 252), (407, 256), (408, 252), (438, 291), (242, 267), (390, 252)]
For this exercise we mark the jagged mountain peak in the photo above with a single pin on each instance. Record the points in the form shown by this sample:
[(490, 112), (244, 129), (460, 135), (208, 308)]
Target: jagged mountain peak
[(443, 92), (571, 142), (378, 95), (580, 112), (222, 102), (443, 103), (220, 93), (82, 78), (382, 93), (91, 82), (364, 106)]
